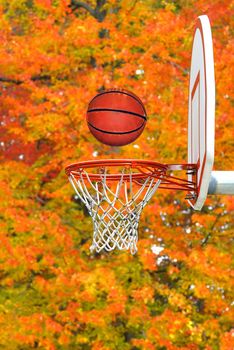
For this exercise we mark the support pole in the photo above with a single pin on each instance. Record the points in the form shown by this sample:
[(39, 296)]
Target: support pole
[(221, 182)]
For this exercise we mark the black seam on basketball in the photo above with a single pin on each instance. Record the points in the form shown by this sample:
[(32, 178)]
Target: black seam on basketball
[(115, 132), (116, 110), (122, 92)]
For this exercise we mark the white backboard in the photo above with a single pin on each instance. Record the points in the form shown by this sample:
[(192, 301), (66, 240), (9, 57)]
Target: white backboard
[(201, 118)]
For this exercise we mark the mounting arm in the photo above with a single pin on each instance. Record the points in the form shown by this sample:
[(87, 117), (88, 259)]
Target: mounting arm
[(221, 182)]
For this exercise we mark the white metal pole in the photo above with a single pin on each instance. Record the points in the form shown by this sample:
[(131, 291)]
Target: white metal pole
[(221, 182)]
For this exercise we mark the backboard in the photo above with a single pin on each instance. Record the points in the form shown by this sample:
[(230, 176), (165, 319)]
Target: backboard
[(201, 118)]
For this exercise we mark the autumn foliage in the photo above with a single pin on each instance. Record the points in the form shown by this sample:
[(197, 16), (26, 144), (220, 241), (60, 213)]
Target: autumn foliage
[(176, 292)]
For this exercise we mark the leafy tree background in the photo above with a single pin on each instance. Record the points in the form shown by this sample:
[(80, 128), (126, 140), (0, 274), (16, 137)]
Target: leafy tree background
[(55, 295)]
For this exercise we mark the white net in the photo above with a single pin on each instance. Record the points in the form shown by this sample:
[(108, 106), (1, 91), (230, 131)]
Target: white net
[(115, 207)]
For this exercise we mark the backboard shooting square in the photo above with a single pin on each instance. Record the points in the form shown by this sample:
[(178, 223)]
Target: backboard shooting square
[(195, 122)]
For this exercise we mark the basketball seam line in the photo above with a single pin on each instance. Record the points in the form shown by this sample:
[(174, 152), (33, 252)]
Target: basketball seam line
[(116, 110), (136, 98), (115, 132)]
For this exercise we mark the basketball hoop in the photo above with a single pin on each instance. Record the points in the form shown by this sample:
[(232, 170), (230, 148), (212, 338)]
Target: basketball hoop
[(115, 192)]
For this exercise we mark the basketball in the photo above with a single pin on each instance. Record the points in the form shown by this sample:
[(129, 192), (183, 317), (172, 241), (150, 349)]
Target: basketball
[(116, 117)]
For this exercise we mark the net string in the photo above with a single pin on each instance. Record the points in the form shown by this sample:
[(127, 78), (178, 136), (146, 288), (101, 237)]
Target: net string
[(115, 214)]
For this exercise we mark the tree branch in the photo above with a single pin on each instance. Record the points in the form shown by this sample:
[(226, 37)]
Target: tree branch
[(98, 12), (43, 77), (132, 7), (176, 65), (205, 240), (77, 4), (13, 81)]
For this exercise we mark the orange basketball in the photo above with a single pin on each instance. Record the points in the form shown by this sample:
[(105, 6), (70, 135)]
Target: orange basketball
[(116, 117)]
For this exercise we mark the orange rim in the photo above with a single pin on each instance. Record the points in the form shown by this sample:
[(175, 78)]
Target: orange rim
[(144, 169)]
